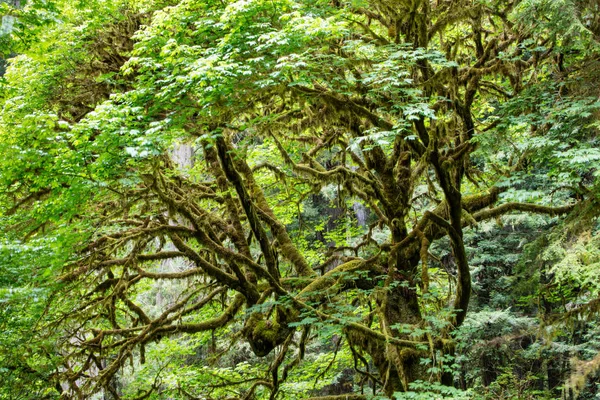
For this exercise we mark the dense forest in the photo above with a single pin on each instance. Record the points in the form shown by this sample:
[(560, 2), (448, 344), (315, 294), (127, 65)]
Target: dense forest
[(300, 199)]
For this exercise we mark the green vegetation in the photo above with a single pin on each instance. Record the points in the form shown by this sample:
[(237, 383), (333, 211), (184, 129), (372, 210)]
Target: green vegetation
[(300, 199)]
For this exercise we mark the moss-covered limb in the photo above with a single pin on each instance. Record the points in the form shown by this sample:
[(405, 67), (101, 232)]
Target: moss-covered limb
[(197, 305), (471, 204), (458, 153), (359, 328), (375, 160), (186, 206), (215, 272), (366, 241), (170, 275), (175, 312), (398, 304), (278, 172), (356, 356), (160, 327), (90, 263), (367, 186), (286, 247), (250, 393), (156, 329), (419, 232), (214, 323), (151, 327), (489, 85), (203, 233), (478, 202), (274, 368), (199, 232), (424, 253), (238, 236), (523, 207), (135, 309), (449, 14), (332, 175), (249, 207), (327, 142), (264, 333), (453, 197), (113, 240), (233, 257), (441, 222), (370, 33), (95, 255), (360, 193), (330, 278), (342, 102), (313, 169)]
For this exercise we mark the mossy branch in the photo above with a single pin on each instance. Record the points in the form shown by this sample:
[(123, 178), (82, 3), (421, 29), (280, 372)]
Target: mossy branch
[(523, 207)]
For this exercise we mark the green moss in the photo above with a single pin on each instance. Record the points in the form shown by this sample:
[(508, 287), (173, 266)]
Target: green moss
[(264, 334)]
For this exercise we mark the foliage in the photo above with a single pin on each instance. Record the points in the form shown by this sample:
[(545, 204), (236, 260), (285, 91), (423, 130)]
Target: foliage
[(295, 199)]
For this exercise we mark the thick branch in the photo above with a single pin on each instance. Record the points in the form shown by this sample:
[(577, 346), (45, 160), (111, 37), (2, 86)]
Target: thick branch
[(524, 207), (236, 180)]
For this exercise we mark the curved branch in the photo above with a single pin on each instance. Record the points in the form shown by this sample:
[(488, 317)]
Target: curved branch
[(524, 207)]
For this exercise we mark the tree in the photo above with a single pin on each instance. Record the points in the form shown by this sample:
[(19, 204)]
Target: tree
[(428, 114)]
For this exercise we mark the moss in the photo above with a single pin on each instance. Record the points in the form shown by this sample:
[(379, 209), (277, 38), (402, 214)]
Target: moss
[(264, 334), (330, 278), (407, 354), (448, 346), (267, 330), (409, 366)]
